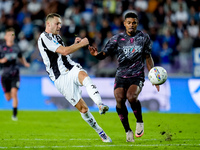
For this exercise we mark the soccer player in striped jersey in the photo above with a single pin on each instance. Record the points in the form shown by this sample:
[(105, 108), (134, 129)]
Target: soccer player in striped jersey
[(132, 47), (68, 75)]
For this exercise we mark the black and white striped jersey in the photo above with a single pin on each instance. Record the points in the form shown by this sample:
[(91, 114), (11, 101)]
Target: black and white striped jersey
[(56, 64)]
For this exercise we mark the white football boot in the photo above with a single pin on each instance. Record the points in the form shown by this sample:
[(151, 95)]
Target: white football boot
[(139, 129), (104, 137), (129, 136), (14, 118), (103, 108)]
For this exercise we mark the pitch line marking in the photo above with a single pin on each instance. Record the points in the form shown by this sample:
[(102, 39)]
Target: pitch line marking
[(71, 139), (88, 139), (28, 147)]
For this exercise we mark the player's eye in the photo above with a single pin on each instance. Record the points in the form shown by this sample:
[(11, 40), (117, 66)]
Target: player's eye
[(134, 22)]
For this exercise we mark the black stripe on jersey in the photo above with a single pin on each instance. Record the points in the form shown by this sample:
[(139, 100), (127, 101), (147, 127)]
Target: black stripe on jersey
[(66, 63), (64, 58), (60, 40), (53, 60)]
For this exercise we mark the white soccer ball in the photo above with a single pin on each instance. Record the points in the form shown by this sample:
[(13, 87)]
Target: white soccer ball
[(157, 75)]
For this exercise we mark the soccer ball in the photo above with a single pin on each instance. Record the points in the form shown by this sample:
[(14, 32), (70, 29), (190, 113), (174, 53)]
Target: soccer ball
[(157, 75)]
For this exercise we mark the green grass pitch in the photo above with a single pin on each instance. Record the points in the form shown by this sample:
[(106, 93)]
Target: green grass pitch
[(67, 130)]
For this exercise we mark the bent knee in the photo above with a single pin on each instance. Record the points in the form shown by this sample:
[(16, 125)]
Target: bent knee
[(132, 97), (8, 97), (120, 101), (84, 110), (119, 97)]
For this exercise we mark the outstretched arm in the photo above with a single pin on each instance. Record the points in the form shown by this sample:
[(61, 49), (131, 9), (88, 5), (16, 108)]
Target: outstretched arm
[(24, 62), (94, 52), (150, 64), (79, 43), (9, 57)]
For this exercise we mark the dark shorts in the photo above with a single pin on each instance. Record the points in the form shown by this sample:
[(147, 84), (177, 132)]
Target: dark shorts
[(9, 82), (127, 82)]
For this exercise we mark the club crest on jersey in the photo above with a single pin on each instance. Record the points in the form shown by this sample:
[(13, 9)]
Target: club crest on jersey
[(131, 40)]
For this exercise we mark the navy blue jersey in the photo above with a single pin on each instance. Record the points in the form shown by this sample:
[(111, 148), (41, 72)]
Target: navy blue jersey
[(11, 53), (130, 51)]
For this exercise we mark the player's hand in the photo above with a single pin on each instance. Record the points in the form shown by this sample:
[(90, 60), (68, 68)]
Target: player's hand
[(157, 87), (27, 64), (3, 60), (77, 40), (84, 41), (93, 50)]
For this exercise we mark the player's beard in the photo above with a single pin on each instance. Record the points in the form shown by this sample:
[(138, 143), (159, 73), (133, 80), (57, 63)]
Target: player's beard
[(132, 33)]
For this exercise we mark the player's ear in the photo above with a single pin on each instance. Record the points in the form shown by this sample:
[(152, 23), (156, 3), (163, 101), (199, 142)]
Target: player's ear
[(47, 23), (124, 22), (137, 21)]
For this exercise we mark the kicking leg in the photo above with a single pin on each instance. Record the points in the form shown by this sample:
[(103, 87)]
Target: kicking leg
[(88, 117), (92, 91)]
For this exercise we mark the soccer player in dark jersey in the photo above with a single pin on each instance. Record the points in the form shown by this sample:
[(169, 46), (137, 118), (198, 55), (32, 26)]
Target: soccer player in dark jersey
[(132, 48), (10, 79)]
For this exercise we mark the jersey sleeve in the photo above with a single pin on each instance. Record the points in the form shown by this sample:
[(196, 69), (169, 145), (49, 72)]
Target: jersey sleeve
[(49, 43), (19, 54), (147, 45), (1, 52), (110, 46)]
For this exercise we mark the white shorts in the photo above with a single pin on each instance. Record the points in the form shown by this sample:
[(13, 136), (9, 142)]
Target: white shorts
[(68, 85)]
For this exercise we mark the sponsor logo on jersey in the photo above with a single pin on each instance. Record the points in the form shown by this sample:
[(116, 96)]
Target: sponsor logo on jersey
[(132, 49), (55, 42)]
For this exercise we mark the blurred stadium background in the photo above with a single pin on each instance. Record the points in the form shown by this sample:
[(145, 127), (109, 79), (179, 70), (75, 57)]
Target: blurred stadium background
[(174, 28)]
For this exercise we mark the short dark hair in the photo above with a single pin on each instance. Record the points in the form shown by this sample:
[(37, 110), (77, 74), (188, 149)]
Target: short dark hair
[(10, 29), (131, 15), (52, 15)]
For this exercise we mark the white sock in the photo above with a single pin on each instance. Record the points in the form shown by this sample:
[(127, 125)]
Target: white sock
[(88, 117), (92, 90)]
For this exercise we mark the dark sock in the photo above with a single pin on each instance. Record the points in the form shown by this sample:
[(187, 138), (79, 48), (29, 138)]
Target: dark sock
[(136, 107), (123, 115), (15, 112)]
